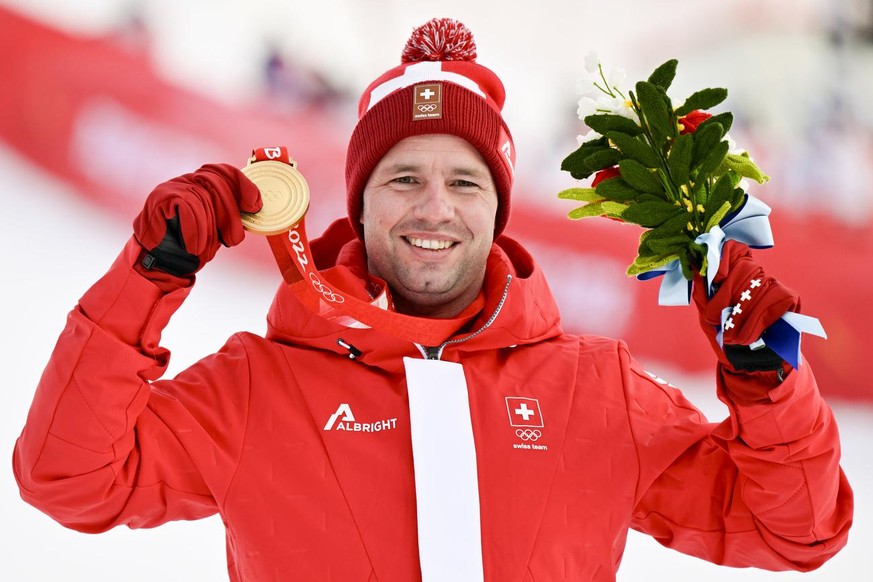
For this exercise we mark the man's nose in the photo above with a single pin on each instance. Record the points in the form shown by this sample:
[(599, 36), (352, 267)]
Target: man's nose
[(434, 203)]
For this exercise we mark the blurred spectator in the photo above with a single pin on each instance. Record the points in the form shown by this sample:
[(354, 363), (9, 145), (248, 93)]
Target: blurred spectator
[(132, 32), (291, 85)]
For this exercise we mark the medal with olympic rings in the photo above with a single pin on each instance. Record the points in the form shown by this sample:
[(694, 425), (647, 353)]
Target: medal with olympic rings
[(285, 196)]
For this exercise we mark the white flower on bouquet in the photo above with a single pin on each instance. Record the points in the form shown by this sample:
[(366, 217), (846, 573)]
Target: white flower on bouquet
[(600, 92), (590, 136)]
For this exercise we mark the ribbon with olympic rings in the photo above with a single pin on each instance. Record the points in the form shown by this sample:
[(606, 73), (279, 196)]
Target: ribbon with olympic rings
[(749, 225)]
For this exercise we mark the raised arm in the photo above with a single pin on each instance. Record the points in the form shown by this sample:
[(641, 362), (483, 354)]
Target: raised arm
[(763, 488), (102, 445)]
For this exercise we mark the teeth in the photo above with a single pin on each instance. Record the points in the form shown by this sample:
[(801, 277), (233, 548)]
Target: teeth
[(434, 245)]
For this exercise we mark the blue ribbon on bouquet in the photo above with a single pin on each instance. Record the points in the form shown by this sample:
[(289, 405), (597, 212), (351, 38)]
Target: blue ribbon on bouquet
[(749, 225)]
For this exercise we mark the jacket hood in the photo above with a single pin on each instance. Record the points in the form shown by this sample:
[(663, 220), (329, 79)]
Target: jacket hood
[(516, 306)]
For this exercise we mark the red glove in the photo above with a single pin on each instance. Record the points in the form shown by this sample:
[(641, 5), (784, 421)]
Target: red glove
[(756, 301), (185, 219)]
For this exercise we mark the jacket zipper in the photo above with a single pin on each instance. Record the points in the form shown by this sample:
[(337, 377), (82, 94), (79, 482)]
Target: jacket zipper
[(436, 352), (353, 351)]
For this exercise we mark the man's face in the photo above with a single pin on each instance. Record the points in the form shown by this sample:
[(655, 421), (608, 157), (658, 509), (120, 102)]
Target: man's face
[(428, 218)]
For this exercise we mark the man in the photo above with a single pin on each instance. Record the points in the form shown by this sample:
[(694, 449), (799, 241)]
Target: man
[(463, 435)]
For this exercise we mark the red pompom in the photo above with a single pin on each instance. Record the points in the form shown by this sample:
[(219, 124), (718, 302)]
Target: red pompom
[(441, 39)]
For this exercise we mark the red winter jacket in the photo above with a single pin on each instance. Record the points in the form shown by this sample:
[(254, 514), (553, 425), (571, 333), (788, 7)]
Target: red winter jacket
[(256, 433)]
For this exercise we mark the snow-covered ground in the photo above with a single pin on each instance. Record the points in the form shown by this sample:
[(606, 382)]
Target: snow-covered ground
[(52, 246)]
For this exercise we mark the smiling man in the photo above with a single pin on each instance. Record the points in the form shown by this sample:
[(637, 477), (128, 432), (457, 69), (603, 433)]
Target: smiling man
[(428, 219), (461, 435)]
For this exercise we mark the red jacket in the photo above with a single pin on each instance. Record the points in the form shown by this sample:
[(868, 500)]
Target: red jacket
[(251, 433)]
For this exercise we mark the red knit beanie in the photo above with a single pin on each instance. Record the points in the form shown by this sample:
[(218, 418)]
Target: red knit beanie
[(437, 88)]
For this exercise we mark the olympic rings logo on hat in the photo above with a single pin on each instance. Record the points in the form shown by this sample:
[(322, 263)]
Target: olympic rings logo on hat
[(528, 434), (427, 108), (326, 292)]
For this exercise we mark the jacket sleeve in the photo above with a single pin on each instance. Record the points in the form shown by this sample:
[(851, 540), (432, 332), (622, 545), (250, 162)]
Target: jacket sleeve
[(103, 444), (763, 488)]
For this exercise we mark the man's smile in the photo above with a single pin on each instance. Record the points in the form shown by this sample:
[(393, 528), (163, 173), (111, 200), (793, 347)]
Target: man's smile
[(433, 244)]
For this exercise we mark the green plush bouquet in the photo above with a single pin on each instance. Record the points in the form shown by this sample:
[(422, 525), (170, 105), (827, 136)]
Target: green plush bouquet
[(671, 169)]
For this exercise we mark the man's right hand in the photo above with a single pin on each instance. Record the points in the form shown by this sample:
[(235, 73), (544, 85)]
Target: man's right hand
[(185, 219)]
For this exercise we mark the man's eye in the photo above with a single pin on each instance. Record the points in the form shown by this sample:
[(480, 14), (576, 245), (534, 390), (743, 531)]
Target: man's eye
[(466, 184), (404, 180)]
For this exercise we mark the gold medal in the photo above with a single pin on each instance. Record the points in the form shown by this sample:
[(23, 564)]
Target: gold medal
[(285, 195)]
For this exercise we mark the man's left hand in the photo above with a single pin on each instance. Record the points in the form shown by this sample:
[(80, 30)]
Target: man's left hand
[(756, 301)]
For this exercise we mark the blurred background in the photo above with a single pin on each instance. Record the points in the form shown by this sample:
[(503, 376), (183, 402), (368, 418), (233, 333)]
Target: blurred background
[(101, 100)]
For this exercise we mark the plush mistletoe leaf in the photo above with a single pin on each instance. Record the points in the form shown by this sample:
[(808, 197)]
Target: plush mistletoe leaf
[(739, 198), (693, 258), (649, 263), (649, 244), (599, 142), (605, 208), (635, 148), (726, 120), (700, 194), (713, 160), (702, 261), (580, 194), (686, 264), (679, 158), (736, 200), (721, 194), (717, 216), (574, 163), (705, 139), (589, 159), (656, 108), (673, 227), (574, 160), (744, 166), (703, 99), (652, 198), (603, 123), (663, 76), (691, 261), (616, 189), (650, 214), (666, 245), (640, 177)]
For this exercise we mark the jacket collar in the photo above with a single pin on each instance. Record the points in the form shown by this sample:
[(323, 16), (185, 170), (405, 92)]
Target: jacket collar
[(515, 307)]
